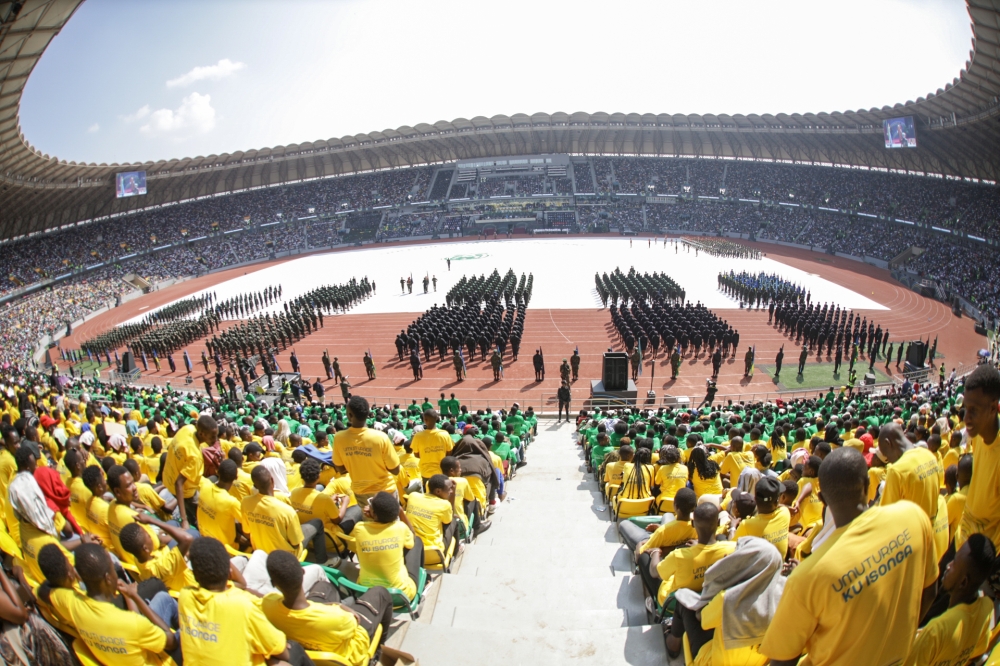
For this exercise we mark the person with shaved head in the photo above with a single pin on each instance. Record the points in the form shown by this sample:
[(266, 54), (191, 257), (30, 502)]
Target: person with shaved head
[(914, 474), (859, 597)]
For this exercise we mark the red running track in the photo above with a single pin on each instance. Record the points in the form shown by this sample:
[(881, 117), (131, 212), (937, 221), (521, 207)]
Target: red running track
[(558, 332)]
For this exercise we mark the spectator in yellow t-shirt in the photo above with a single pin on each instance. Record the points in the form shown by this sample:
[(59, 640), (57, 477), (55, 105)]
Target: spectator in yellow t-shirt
[(961, 633), (686, 567), (982, 425), (274, 525), (333, 627), (223, 624), (430, 445), (389, 554), (871, 615), (432, 515), (140, 637), (467, 507), (364, 453), (184, 465)]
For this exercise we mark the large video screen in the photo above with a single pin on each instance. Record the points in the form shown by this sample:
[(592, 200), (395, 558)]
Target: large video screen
[(899, 132), (130, 184)]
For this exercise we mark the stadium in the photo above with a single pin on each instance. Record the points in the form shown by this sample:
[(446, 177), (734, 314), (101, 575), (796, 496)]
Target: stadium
[(725, 312)]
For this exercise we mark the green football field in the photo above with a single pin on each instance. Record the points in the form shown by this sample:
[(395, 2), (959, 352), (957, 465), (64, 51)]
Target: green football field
[(819, 375)]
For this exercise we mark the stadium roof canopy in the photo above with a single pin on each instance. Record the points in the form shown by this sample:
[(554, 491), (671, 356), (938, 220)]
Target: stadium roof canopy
[(958, 129)]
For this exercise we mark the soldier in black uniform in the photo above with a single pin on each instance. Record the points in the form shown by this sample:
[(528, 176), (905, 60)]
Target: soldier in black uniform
[(574, 363), (777, 363)]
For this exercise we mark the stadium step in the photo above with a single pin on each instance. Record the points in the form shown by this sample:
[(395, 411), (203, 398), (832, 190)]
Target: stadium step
[(548, 583)]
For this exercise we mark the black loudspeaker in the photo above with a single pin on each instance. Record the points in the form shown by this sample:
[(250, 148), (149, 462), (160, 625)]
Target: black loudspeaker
[(615, 376), (980, 329), (956, 310), (869, 379), (917, 353), (128, 362)]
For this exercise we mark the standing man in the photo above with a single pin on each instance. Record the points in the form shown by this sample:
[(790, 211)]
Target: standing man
[(456, 359), (366, 454), (564, 370), (402, 284), (337, 374), (418, 371), (748, 362), (539, 364), (777, 363), (294, 360), (982, 425), (564, 400), (574, 363), (675, 364), (636, 359), (449, 264), (184, 465), (345, 389), (803, 356), (208, 386), (187, 362), (497, 363), (839, 358), (326, 364), (369, 365), (717, 362), (435, 281), (231, 383)]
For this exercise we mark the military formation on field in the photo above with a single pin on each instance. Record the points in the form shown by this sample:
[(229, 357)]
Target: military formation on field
[(637, 287)]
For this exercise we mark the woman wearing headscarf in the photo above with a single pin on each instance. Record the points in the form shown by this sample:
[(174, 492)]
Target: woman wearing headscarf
[(726, 622), (56, 494)]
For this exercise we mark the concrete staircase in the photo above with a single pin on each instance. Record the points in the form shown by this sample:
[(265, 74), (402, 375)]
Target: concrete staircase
[(547, 584)]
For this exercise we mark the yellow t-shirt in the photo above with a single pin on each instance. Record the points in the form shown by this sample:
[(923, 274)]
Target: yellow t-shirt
[(876, 475), (169, 566), (670, 479), (226, 628), (873, 569), (714, 653), (97, 519), (8, 468), (32, 541), (78, 498), (242, 486), (630, 486), (368, 456), (670, 535), (982, 502), (410, 464), (940, 523), (218, 513), (431, 446), (613, 473), (710, 486), (341, 486), (150, 466), (184, 459), (115, 636), (120, 515), (310, 504), (463, 494), (734, 463), (772, 527), (321, 627), (271, 524), (955, 637), (429, 515), (149, 497), (379, 547), (811, 508), (686, 567), (914, 477), (956, 506)]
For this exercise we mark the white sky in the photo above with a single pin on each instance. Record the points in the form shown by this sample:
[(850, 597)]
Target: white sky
[(135, 81)]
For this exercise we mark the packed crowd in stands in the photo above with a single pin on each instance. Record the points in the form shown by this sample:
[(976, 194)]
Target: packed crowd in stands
[(141, 526), (852, 529), (965, 269), (584, 179)]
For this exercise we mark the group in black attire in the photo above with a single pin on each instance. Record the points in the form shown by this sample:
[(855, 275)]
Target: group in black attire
[(484, 313)]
